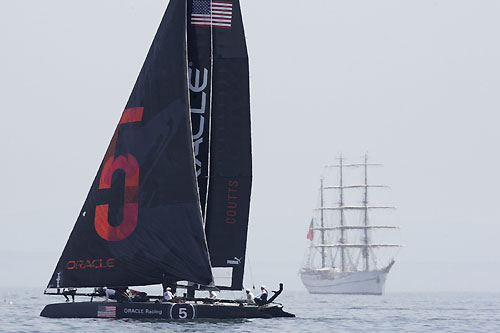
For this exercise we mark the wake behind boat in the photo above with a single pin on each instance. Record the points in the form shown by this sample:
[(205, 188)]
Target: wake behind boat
[(170, 201)]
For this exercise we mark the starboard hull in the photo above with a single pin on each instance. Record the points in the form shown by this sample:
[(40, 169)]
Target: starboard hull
[(165, 311), (350, 283)]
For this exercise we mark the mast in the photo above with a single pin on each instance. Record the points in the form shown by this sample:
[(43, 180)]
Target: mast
[(322, 226), (365, 204), (342, 239)]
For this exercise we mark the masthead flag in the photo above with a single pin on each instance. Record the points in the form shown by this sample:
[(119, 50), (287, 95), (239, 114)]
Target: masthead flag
[(212, 13)]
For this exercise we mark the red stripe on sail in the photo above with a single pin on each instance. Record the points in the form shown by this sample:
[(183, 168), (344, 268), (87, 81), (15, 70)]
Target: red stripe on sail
[(131, 115)]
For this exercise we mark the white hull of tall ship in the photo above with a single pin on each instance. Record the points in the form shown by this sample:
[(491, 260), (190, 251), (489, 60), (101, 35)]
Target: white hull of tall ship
[(321, 281)]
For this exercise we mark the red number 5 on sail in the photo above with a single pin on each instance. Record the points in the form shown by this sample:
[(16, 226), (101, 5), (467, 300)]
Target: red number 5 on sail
[(129, 165)]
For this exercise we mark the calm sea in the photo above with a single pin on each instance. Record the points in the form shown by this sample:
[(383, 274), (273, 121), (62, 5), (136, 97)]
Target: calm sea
[(393, 312)]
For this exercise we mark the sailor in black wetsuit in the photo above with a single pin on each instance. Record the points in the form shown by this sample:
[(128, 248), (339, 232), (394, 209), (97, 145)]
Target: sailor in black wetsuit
[(118, 293), (69, 291)]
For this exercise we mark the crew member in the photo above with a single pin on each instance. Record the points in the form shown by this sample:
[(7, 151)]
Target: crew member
[(212, 294), (137, 296), (69, 291), (250, 296), (110, 293), (167, 295), (262, 298)]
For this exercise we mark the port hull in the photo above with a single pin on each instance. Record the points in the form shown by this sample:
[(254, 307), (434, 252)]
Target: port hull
[(167, 311)]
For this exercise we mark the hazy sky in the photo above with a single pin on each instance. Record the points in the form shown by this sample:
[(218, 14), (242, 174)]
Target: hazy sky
[(413, 83)]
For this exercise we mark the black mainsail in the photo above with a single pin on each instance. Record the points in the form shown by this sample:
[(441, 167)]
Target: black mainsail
[(230, 181), (141, 221), (180, 156), (220, 116)]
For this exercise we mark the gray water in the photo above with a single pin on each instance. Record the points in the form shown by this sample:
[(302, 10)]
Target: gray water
[(393, 312)]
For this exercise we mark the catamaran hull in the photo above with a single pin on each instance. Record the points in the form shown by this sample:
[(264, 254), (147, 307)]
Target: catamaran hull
[(351, 283), (164, 311)]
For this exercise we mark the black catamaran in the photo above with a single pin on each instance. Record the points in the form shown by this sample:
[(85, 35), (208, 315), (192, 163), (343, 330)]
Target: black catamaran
[(170, 201)]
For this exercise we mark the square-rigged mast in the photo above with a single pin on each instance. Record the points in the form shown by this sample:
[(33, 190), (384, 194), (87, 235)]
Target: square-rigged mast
[(325, 227)]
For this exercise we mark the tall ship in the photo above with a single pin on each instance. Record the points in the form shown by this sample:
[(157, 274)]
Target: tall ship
[(169, 205), (343, 256)]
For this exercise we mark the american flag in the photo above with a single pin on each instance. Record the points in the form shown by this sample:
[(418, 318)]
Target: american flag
[(212, 13), (106, 312)]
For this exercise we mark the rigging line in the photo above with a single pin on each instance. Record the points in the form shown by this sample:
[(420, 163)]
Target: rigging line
[(306, 259), (332, 257), (250, 269), (313, 256), (373, 257), (335, 257), (357, 260)]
